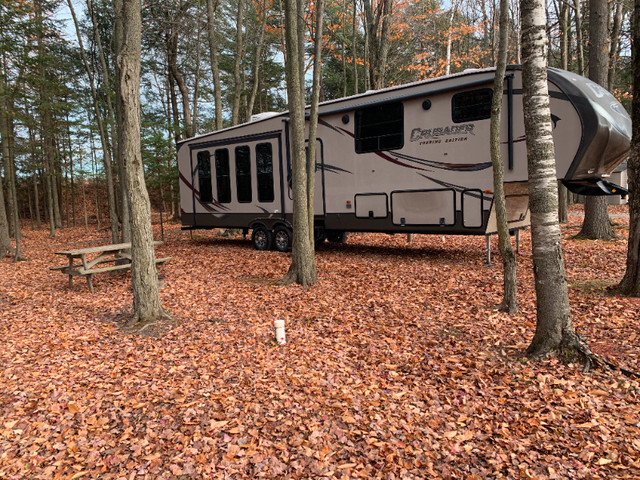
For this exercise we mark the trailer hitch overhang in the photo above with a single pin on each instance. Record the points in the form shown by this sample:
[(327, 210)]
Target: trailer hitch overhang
[(594, 187)]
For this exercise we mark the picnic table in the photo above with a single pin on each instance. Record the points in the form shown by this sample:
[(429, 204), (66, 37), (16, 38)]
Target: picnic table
[(117, 255)]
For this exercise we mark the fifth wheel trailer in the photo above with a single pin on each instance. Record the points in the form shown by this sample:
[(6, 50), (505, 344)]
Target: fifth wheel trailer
[(408, 159)]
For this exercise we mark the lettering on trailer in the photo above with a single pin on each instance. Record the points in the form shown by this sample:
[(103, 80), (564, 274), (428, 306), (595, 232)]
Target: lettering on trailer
[(428, 136)]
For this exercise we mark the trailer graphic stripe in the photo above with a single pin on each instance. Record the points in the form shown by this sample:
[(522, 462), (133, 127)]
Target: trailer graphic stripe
[(458, 188), (460, 167), (196, 195)]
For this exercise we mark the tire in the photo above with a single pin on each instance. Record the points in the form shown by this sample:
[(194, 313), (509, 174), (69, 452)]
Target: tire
[(337, 236), (261, 238), (320, 235), (282, 238)]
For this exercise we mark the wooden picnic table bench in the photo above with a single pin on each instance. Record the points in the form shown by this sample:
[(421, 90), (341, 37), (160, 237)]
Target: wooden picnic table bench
[(116, 254)]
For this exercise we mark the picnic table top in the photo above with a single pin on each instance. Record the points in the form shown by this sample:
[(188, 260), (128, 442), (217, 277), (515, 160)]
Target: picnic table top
[(116, 247)]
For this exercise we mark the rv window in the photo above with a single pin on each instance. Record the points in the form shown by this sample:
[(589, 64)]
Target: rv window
[(470, 106), (204, 176), (380, 127), (243, 173), (223, 178), (264, 167)]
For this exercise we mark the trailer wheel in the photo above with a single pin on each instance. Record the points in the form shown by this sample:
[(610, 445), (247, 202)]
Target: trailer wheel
[(282, 238), (261, 238), (320, 235), (337, 236)]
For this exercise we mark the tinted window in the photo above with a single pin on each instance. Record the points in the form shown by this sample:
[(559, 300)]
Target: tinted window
[(264, 167), (473, 105), (204, 176), (243, 173), (223, 178), (380, 127)]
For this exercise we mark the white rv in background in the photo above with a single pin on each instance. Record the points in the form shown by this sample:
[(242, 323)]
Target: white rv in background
[(408, 159)]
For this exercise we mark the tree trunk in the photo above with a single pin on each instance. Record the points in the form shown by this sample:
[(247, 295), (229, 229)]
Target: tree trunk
[(212, 6), (597, 225), (144, 277), (354, 47), (239, 54), (172, 50), (630, 284), (564, 32), (303, 267), (554, 330), (313, 118), (615, 43), (257, 62), (36, 199), (509, 302), (118, 35), (452, 14), (5, 236), (104, 140), (10, 173), (378, 26), (579, 40), (563, 203)]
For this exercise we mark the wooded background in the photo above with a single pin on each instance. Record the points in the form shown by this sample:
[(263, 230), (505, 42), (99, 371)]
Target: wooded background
[(208, 64)]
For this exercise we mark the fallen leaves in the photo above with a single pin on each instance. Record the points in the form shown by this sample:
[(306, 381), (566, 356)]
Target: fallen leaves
[(395, 367)]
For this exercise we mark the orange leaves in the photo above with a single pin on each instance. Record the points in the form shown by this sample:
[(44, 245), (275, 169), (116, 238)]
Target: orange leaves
[(396, 366)]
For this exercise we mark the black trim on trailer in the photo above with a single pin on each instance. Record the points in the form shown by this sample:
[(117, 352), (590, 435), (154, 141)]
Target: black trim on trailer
[(233, 140), (594, 187), (193, 189), (282, 205), (585, 112), (510, 118)]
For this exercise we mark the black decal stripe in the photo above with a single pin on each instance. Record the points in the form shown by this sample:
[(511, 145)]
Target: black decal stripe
[(197, 196), (328, 125), (460, 167), (458, 188)]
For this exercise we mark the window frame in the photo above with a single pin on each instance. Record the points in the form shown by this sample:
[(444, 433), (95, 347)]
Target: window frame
[(204, 178), (223, 181), (372, 124), (264, 180), (244, 193), (478, 109)]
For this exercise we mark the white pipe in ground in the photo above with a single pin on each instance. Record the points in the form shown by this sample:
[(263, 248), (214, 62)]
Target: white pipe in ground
[(280, 334)]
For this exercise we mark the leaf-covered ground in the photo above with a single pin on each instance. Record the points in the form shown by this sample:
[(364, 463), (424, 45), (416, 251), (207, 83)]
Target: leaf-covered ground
[(395, 366)]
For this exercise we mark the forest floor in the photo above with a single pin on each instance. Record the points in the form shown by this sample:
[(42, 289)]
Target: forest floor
[(396, 365)]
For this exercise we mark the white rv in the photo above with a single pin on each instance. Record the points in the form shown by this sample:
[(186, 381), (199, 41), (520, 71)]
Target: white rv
[(410, 159)]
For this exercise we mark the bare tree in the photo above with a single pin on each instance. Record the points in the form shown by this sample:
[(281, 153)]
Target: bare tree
[(106, 148), (212, 6), (303, 265), (554, 331), (630, 284), (5, 238), (509, 301), (238, 87), (597, 224), (144, 277), (377, 26)]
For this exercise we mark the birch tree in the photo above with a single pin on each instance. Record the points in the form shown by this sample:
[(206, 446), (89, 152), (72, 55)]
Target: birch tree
[(554, 330)]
